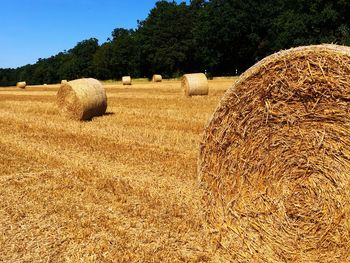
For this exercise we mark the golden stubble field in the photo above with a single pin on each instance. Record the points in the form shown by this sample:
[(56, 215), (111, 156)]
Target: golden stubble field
[(120, 188)]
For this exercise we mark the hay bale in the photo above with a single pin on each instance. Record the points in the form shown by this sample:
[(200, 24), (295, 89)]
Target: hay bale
[(21, 84), (275, 160), (82, 99), (64, 81), (157, 78), (126, 80), (195, 84)]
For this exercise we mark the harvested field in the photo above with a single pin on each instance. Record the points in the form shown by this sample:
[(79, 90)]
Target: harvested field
[(120, 188)]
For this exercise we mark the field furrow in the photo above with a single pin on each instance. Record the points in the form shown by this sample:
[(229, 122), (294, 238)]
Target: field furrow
[(122, 187)]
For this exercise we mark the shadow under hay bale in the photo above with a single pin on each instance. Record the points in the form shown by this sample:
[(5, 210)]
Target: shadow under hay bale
[(82, 99), (275, 160), (195, 84)]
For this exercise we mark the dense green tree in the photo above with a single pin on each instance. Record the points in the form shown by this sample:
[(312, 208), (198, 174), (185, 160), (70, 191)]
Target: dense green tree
[(102, 61), (25, 74), (81, 63), (304, 22), (65, 70), (232, 34), (124, 53), (118, 57), (8, 77), (165, 39)]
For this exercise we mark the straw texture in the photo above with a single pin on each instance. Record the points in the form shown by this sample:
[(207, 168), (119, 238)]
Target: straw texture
[(82, 99), (126, 80), (21, 84), (157, 78), (195, 84), (275, 160), (64, 81)]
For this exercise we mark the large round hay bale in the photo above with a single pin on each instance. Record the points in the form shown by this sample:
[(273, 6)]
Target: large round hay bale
[(195, 84), (157, 78), (21, 84), (275, 160), (82, 99), (126, 80)]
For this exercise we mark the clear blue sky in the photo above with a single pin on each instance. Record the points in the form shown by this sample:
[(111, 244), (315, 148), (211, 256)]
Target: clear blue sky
[(32, 29)]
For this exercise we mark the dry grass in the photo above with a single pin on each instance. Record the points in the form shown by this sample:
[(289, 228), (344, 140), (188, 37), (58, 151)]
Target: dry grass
[(120, 188)]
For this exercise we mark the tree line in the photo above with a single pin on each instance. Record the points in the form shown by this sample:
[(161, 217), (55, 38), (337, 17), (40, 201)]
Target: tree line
[(221, 37)]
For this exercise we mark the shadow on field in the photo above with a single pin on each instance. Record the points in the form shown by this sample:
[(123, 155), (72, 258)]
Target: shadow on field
[(108, 113), (105, 114)]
